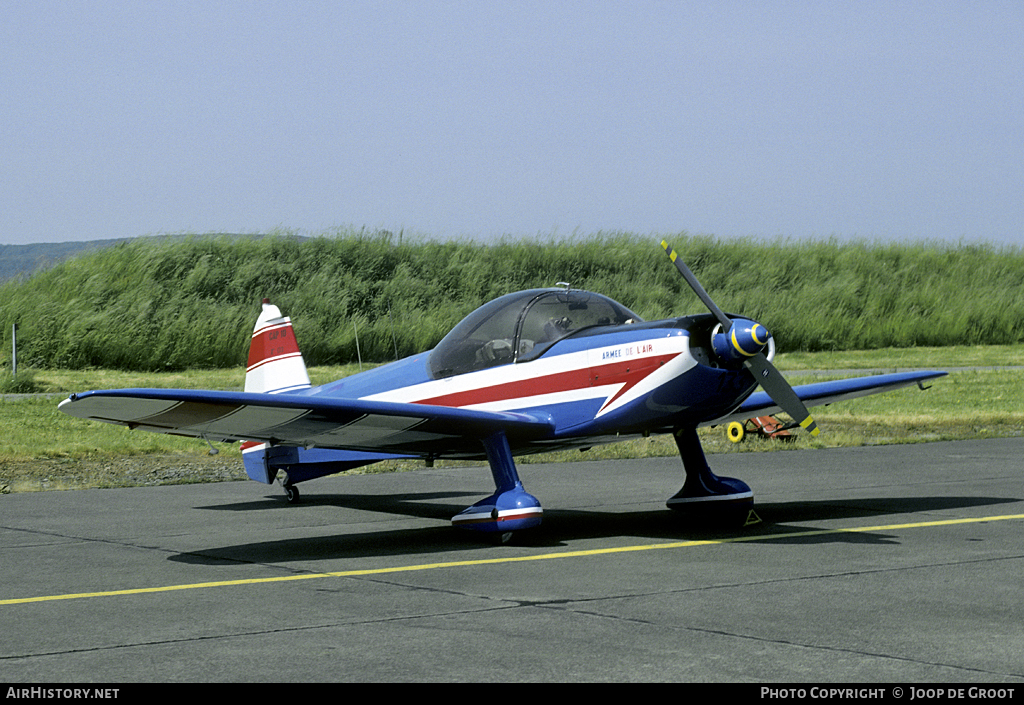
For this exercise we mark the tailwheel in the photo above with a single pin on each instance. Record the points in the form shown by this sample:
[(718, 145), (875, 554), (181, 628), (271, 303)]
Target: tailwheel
[(291, 493)]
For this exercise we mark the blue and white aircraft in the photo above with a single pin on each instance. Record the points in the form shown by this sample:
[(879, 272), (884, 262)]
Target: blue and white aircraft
[(529, 372)]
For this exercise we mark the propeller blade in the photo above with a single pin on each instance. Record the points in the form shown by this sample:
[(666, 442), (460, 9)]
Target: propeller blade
[(772, 381), (697, 288)]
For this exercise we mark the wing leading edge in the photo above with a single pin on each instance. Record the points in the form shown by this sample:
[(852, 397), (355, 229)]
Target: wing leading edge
[(303, 420), (819, 393)]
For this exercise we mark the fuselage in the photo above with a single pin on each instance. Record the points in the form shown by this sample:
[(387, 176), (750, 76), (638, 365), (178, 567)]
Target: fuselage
[(597, 383)]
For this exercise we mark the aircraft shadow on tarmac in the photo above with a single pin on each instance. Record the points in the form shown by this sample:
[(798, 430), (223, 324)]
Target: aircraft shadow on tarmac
[(560, 527), (413, 504)]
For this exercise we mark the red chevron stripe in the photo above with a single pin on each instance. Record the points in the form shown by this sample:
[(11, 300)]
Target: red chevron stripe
[(629, 373), (558, 382)]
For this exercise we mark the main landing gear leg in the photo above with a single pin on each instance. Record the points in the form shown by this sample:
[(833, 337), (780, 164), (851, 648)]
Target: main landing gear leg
[(510, 508), (705, 496)]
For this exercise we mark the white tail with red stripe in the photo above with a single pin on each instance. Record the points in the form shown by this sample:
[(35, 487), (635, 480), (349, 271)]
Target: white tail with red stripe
[(275, 362), (275, 365)]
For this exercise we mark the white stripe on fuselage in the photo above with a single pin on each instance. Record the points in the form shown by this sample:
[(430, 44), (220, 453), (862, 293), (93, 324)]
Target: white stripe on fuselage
[(507, 375)]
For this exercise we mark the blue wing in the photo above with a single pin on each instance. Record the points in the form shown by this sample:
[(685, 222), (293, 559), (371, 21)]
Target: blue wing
[(760, 404), (308, 421), (381, 427)]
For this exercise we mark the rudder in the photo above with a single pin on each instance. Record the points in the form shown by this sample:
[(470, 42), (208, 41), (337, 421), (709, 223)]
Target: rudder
[(275, 362)]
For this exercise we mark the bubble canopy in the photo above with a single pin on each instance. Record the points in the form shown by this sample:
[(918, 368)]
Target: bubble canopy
[(522, 326)]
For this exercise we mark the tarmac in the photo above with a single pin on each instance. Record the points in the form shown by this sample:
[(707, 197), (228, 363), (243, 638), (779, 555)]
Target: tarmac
[(886, 564)]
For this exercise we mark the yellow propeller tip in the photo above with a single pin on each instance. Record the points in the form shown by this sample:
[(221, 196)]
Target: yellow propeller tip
[(809, 426)]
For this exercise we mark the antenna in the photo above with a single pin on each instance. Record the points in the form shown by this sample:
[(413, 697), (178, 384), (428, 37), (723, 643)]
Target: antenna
[(213, 451)]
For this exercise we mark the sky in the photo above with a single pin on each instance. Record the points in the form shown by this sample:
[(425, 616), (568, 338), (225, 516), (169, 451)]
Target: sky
[(878, 120)]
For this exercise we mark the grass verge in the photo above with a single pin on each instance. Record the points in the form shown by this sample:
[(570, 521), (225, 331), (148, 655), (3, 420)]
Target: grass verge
[(41, 448)]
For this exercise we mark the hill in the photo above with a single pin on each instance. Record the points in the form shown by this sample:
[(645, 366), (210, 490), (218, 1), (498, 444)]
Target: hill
[(23, 260), (156, 304)]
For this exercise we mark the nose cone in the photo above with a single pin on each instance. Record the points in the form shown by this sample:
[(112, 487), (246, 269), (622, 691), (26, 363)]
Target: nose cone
[(743, 339)]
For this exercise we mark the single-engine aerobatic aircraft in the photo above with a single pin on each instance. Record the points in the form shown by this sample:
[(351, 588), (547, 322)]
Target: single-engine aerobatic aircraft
[(529, 372)]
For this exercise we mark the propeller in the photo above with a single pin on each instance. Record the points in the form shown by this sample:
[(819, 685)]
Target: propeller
[(742, 339)]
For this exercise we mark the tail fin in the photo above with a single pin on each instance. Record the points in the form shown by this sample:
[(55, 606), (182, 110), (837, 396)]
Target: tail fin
[(275, 362)]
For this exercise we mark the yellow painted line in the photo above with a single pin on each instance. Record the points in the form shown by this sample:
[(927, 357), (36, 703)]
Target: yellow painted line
[(512, 559)]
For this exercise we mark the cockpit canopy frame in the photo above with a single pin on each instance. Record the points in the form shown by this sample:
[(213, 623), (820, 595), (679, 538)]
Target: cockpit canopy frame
[(522, 326)]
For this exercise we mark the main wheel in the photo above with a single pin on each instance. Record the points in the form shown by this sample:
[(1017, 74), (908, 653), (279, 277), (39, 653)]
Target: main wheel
[(291, 493)]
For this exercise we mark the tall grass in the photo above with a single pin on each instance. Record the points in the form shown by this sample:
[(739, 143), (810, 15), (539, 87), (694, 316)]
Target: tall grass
[(163, 304)]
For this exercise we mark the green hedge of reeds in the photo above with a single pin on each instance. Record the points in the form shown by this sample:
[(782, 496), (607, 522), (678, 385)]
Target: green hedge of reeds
[(176, 303)]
